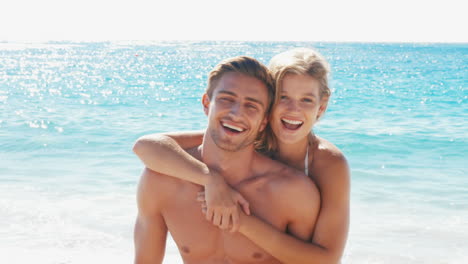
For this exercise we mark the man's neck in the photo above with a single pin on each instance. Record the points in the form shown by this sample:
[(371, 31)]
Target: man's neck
[(235, 166)]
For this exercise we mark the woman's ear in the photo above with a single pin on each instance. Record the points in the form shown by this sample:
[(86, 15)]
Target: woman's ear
[(323, 107)]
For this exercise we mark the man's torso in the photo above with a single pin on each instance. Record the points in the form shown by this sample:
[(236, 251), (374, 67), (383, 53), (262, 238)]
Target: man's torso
[(199, 241)]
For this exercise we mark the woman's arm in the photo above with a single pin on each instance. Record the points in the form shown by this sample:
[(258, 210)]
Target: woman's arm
[(284, 247), (331, 227), (165, 154)]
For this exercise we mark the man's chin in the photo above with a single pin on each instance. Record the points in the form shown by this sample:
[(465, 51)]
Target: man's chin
[(230, 146), (226, 143)]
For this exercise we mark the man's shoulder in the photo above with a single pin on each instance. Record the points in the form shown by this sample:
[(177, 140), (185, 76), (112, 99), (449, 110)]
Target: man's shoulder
[(288, 180), (156, 188), (295, 184), (294, 195)]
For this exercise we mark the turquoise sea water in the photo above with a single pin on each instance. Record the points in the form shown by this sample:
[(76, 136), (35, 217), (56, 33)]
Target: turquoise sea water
[(70, 113)]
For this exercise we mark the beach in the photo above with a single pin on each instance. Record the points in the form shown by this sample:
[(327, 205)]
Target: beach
[(71, 111)]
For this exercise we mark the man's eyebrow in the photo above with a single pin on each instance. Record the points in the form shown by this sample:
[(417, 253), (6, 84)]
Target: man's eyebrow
[(228, 92), (247, 98), (255, 101)]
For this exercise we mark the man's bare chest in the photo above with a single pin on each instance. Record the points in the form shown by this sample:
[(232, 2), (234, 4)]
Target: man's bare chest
[(200, 241)]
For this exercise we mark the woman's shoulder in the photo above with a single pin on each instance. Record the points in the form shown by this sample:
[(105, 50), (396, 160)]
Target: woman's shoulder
[(328, 163), (326, 152)]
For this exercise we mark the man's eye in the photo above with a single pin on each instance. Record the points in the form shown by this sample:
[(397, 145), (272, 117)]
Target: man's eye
[(307, 100), (225, 99)]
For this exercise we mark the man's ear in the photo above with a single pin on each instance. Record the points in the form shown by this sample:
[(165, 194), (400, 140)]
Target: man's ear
[(264, 123), (206, 103)]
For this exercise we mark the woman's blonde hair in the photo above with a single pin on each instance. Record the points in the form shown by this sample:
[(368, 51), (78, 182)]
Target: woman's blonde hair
[(299, 61)]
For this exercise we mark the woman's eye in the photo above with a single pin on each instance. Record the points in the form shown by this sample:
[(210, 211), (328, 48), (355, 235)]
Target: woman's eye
[(251, 106), (283, 97)]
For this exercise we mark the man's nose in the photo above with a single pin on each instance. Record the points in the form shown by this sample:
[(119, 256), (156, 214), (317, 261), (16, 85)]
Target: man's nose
[(236, 110)]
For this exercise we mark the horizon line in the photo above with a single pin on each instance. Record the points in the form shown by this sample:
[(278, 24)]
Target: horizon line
[(51, 41)]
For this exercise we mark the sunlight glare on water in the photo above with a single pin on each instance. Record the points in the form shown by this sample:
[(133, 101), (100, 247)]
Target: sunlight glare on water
[(70, 113)]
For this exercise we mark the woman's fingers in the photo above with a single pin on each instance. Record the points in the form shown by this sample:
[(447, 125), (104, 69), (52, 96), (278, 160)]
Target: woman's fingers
[(222, 208), (225, 220), (209, 214), (235, 222), (204, 208), (217, 219), (201, 197), (243, 203)]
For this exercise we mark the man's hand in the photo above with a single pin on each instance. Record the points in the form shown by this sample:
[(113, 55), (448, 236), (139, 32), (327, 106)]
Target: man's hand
[(221, 203)]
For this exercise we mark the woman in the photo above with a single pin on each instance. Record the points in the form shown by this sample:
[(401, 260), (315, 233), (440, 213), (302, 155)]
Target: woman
[(302, 95)]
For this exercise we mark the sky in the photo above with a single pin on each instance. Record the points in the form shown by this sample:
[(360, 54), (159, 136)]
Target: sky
[(251, 20)]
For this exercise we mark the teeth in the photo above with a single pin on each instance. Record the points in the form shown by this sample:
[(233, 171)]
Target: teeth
[(234, 127), (292, 122)]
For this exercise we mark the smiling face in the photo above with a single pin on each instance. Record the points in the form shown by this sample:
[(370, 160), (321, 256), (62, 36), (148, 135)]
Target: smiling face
[(297, 109), (236, 111)]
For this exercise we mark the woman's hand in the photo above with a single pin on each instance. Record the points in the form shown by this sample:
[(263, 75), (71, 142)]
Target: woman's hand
[(221, 203)]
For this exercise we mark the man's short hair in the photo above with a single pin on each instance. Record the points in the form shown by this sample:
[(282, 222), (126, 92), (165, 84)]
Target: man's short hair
[(247, 66)]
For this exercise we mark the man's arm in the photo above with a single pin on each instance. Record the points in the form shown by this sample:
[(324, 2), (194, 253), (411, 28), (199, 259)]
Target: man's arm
[(150, 228)]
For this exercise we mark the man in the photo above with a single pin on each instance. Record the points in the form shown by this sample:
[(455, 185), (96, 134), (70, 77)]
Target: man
[(237, 101)]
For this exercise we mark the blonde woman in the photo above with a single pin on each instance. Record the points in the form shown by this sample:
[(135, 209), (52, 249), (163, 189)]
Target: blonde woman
[(302, 94)]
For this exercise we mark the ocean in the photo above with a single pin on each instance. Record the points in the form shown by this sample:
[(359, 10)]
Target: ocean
[(71, 111)]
